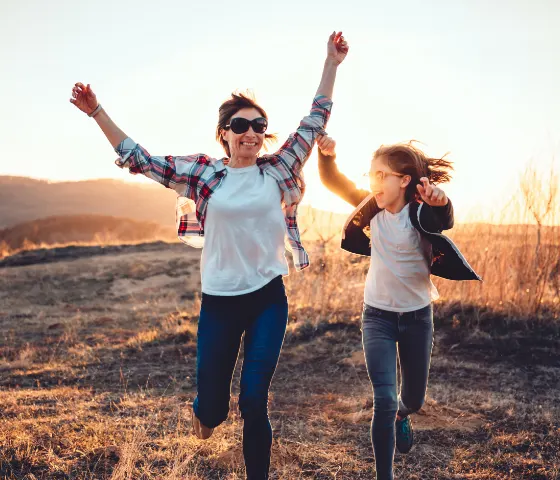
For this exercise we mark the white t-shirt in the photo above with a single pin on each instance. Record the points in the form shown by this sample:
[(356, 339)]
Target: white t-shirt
[(398, 279), (244, 233)]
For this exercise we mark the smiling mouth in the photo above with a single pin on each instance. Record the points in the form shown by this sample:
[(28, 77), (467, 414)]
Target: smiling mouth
[(249, 144)]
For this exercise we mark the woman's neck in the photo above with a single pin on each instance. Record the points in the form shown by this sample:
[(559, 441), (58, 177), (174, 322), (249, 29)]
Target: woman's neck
[(240, 162)]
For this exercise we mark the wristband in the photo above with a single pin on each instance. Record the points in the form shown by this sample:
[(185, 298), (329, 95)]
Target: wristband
[(96, 111)]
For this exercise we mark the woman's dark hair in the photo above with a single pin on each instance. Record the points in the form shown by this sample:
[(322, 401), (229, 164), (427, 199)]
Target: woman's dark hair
[(408, 159), (230, 107)]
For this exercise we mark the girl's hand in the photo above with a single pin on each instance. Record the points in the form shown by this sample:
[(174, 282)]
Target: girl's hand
[(337, 48), (432, 195), (326, 145), (84, 98)]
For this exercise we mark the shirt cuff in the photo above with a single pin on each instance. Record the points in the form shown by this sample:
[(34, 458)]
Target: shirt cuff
[(124, 150), (319, 115), (323, 101)]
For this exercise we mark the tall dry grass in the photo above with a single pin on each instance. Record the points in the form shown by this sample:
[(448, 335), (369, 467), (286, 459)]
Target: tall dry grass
[(517, 253)]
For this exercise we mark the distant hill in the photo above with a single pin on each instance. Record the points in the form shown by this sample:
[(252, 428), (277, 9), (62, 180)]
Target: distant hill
[(23, 199), (47, 213), (38, 212), (87, 228)]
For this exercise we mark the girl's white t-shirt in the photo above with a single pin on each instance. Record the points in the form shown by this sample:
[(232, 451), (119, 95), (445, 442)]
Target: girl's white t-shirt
[(245, 229), (398, 279)]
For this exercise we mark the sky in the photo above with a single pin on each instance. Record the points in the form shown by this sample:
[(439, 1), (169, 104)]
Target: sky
[(477, 79)]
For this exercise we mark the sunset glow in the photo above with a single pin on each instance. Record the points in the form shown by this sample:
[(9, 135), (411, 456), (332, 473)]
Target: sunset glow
[(467, 78)]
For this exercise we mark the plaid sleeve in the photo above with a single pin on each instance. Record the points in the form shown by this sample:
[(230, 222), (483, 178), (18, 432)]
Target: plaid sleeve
[(296, 150), (178, 173)]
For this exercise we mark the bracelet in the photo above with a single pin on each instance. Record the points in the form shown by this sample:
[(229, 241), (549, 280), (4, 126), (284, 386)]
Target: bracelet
[(96, 111)]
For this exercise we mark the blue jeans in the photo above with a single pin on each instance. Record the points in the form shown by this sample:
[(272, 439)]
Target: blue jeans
[(262, 316), (381, 332)]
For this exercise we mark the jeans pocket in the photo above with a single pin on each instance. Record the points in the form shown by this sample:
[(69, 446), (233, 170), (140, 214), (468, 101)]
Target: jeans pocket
[(425, 314), (372, 312), (366, 309), (371, 317)]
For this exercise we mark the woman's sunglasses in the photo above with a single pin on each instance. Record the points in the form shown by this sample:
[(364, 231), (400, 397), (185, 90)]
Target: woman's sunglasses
[(241, 125)]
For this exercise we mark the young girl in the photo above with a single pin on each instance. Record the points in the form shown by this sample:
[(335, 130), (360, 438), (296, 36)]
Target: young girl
[(398, 224)]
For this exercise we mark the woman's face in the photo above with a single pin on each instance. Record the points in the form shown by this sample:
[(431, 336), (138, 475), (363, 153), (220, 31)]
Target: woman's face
[(247, 144), (388, 186)]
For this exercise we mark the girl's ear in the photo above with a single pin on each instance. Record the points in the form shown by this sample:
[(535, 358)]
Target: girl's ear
[(405, 181)]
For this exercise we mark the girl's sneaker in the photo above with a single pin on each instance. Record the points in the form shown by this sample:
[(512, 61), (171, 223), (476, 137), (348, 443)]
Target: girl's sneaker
[(404, 435)]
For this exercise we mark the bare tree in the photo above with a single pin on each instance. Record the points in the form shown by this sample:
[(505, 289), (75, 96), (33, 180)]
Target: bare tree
[(540, 192), (541, 197)]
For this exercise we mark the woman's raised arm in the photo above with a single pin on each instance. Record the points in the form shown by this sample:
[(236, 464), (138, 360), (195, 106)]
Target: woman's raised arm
[(297, 148), (85, 100), (171, 171)]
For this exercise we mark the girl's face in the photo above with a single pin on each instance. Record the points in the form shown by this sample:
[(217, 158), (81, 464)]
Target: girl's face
[(388, 186)]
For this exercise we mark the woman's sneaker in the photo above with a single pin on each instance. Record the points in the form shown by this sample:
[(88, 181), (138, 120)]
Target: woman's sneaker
[(404, 435)]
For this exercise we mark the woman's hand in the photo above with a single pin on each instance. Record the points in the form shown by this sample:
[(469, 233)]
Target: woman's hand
[(337, 48), (326, 145), (432, 195), (84, 98)]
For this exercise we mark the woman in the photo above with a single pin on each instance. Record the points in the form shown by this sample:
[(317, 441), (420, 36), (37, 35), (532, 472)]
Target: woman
[(244, 205), (398, 224)]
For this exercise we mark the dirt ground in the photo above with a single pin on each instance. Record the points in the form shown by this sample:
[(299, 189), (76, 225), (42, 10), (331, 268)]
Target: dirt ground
[(97, 370)]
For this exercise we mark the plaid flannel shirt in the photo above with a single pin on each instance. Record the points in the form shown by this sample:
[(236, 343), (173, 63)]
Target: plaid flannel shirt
[(196, 177)]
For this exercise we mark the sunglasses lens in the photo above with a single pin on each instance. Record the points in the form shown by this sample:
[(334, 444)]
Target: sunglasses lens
[(239, 125), (259, 125)]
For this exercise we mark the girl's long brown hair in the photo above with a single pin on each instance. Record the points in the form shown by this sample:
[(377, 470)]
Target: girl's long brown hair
[(408, 159)]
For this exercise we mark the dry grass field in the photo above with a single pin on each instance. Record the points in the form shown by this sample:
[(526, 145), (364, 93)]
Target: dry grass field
[(97, 368), (98, 353)]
